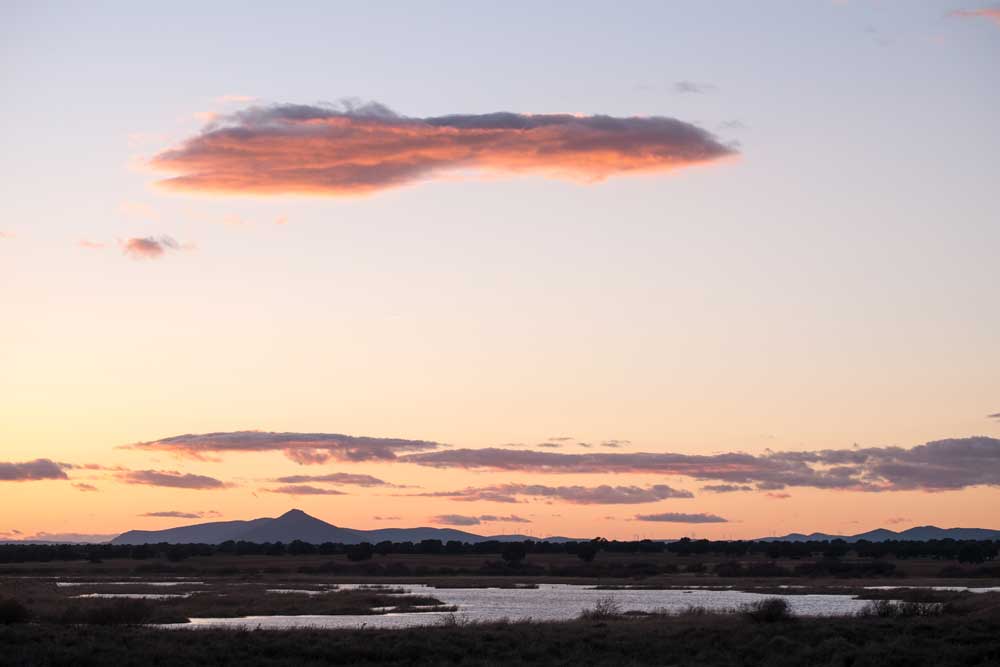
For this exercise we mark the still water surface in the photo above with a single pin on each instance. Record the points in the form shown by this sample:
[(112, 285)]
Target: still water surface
[(548, 602)]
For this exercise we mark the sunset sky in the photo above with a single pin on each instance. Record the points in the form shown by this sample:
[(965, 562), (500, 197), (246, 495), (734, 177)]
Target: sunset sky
[(721, 269)]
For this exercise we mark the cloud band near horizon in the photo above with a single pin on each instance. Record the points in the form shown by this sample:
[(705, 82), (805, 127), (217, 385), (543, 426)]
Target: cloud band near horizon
[(941, 465), (359, 149), (303, 448), (576, 495)]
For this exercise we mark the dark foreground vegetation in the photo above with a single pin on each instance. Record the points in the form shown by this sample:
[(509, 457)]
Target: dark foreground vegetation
[(760, 636)]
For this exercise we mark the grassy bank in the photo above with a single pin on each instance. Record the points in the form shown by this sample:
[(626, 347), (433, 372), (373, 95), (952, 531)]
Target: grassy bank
[(680, 640), (48, 603)]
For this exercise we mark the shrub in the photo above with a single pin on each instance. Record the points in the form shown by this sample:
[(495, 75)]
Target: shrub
[(768, 610), (605, 608), (901, 609), (115, 612), (12, 611), (587, 551), (360, 552), (513, 553), (696, 610), (731, 569)]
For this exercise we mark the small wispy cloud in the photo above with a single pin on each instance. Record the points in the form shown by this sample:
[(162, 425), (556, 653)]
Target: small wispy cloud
[(509, 518), (83, 486), (232, 99), (148, 247), (39, 469), (675, 517), (464, 520), (987, 13), (726, 488), (693, 87), (334, 478), (138, 210), (64, 538), (615, 444), (170, 478), (456, 520), (304, 490), (175, 514)]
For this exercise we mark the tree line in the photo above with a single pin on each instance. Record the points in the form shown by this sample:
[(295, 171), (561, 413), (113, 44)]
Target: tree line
[(963, 551)]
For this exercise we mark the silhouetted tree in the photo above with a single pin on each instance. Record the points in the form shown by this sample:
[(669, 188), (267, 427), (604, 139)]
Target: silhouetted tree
[(360, 552), (513, 553)]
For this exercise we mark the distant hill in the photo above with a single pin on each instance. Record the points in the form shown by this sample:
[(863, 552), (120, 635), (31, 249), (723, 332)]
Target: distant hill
[(297, 525), (916, 534)]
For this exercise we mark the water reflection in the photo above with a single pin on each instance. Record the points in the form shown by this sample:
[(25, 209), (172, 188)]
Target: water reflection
[(548, 602)]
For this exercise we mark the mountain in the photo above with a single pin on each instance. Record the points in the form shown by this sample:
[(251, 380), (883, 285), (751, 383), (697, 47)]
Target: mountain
[(297, 525), (915, 534)]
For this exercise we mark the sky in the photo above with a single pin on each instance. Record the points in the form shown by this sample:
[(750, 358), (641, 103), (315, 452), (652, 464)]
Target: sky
[(722, 270)]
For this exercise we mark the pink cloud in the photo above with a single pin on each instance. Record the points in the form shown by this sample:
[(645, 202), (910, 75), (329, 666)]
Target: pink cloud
[(988, 13), (170, 478), (148, 247), (322, 150)]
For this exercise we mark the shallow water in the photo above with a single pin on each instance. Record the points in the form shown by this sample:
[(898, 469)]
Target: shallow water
[(134, 582), (134, 596), (548, 602), (988, 589)]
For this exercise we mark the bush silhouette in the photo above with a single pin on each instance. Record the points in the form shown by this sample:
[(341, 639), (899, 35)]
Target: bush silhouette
[(12, 611), (768, 610), (513, 553), (605, 608), (115, 612)]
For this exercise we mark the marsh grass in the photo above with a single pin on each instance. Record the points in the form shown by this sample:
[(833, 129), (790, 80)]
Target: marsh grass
[(48, 603), (712, 640)]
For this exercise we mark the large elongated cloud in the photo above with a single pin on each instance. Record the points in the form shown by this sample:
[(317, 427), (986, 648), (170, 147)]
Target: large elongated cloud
[(936, 466), (170, 478), (578, 495), (304, 448), (31, 470), (347, 150)]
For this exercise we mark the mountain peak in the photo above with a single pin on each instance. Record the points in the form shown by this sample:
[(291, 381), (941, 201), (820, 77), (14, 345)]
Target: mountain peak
[(293, 513)]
